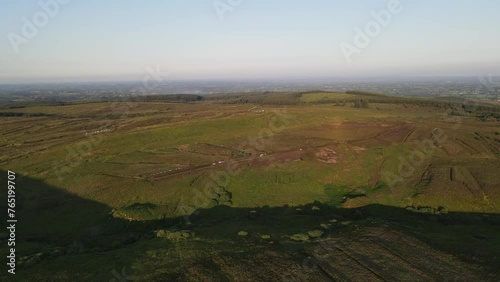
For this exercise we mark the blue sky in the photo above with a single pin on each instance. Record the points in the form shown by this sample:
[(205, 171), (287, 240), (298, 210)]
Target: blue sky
[(118, 39)]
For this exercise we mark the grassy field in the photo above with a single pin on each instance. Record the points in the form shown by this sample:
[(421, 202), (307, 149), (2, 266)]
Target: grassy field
[(98, 181)]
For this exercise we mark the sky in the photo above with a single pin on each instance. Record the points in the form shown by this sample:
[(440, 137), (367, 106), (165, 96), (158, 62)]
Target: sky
[(77, 40)]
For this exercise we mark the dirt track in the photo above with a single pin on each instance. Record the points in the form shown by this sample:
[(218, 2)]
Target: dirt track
[(265, 160)]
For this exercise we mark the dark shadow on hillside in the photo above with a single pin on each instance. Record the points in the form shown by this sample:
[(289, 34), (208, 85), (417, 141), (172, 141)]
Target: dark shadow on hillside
[(50, 215), (55, 223), (219, 213), (52, 224), (473, 237)]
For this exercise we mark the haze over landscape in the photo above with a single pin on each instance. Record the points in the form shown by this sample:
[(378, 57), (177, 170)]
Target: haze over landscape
[(116, 40)]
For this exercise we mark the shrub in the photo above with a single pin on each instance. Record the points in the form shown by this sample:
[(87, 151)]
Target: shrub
[(300, 237), (173, 235), (325, 225), (315, 233)]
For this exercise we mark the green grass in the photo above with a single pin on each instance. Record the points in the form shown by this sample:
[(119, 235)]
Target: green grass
[(106, 200)]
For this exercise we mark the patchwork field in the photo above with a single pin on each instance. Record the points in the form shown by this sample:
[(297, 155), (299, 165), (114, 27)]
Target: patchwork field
[(300, 192)]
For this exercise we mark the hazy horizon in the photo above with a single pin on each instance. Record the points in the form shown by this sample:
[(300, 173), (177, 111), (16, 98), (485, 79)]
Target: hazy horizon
[(278, 80), (83, 41)]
